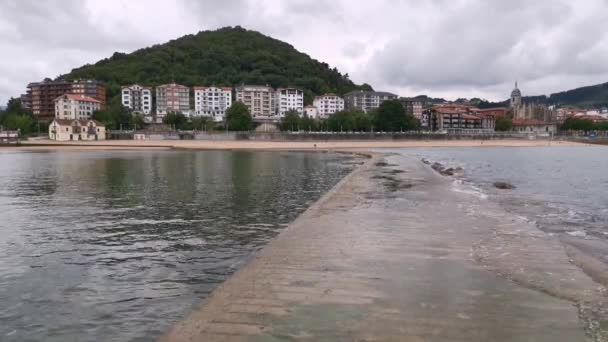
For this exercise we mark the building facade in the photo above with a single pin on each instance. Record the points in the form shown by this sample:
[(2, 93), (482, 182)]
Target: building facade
[(288, 99), (530, 111), (76, 107), (76, 130), (138, 99), (40, 96), (366, 100), (459, 117), (260, 100), (328, 104), (172, 98), (212, 102), (311, 112), (412, 107)]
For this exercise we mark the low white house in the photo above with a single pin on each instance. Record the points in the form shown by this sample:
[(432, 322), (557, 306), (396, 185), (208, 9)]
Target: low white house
[(311, 112), (533, 126), (76, 130)]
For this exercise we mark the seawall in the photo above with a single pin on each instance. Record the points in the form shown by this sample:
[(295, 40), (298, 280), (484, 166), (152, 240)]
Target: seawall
[(393, 253)]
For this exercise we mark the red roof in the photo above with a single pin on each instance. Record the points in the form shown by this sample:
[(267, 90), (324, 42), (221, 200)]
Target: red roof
[(470, 117), (79, 97)]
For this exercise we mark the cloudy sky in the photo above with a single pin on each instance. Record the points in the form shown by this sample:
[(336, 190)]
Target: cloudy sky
[(443, 48)]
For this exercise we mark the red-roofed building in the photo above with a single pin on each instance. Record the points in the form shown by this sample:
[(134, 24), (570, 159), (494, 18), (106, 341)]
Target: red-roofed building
[(457, 116), (76, 107)]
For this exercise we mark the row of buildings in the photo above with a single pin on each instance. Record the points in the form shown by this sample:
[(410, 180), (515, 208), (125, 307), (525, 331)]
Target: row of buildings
[(265, 104), (46, 101)]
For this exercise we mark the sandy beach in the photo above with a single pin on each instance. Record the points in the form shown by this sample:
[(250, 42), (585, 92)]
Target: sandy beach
[(43, 145)]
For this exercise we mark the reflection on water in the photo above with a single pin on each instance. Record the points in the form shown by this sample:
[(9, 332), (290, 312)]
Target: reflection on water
[(118, 245)]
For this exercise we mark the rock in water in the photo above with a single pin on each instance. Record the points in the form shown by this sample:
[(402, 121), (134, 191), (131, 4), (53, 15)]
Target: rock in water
[(504, 186)]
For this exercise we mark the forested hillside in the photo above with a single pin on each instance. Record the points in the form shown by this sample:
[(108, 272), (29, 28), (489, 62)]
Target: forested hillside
[(225, 57)]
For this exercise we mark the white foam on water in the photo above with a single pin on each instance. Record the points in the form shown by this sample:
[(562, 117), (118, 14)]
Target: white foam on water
[(460, 186), (577, 233)]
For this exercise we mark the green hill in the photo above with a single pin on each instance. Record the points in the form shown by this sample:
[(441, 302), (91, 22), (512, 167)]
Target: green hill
[(225, 57)]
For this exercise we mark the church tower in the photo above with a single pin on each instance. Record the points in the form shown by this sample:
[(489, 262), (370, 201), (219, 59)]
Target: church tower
[(515, 98)]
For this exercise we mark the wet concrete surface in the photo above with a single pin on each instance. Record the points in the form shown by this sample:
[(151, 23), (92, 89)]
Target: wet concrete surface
[(398, 256)]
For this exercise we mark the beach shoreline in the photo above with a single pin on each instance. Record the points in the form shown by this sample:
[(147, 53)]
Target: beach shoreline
[(49, 145)]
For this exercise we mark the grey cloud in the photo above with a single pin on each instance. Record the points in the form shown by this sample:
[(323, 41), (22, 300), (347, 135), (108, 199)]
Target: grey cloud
[(441, 47)]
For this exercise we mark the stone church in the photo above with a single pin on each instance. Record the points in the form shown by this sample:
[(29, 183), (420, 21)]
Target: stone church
[(529, 111)]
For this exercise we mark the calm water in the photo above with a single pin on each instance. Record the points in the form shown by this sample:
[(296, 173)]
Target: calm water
[(564, 190), (116, 246)]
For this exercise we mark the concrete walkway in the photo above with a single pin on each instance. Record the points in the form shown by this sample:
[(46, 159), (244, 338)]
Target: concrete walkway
[(392, 254)]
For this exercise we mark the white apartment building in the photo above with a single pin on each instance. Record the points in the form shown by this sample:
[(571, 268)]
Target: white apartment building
[(76, 107), (328, 104), (172, 98), (288, 99), (138, 99), (311, 112), (367, 100), (212, 102), (260, 100)]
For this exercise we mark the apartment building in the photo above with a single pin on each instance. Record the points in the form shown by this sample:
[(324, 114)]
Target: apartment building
[(288, 99), (137, 98), (172, 98), (40, 96), (75, 107), (328, 104), (260, 100), (367, 100), (212, 102), (412, 107)]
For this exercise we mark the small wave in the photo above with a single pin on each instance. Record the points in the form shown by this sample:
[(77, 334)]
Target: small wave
[(577, 233), (460, 186)]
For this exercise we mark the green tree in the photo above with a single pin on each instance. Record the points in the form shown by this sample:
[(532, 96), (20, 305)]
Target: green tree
[(203, 123), (343, 121), (115, 116), (392, 117), (23, 123), (504, 124), (577, 124), (291, 121), (308, 124), (137, 121), (176, 120), (363, 121), (238, 117)]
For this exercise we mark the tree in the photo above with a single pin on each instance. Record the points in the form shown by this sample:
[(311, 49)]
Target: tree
[(391, 117), (504, 124), (176, 120), (203, 123), (577, 124), (309, 124), (115, 116), (238, 117), (291, 121), (23, 123), (343, 121), (363, 121), (137, 121)]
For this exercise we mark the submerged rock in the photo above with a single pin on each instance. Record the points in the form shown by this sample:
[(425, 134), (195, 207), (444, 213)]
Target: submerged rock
[(504, 186)]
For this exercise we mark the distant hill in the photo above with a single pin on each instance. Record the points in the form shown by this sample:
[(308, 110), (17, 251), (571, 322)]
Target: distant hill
[(596, 95), (225, 57)]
